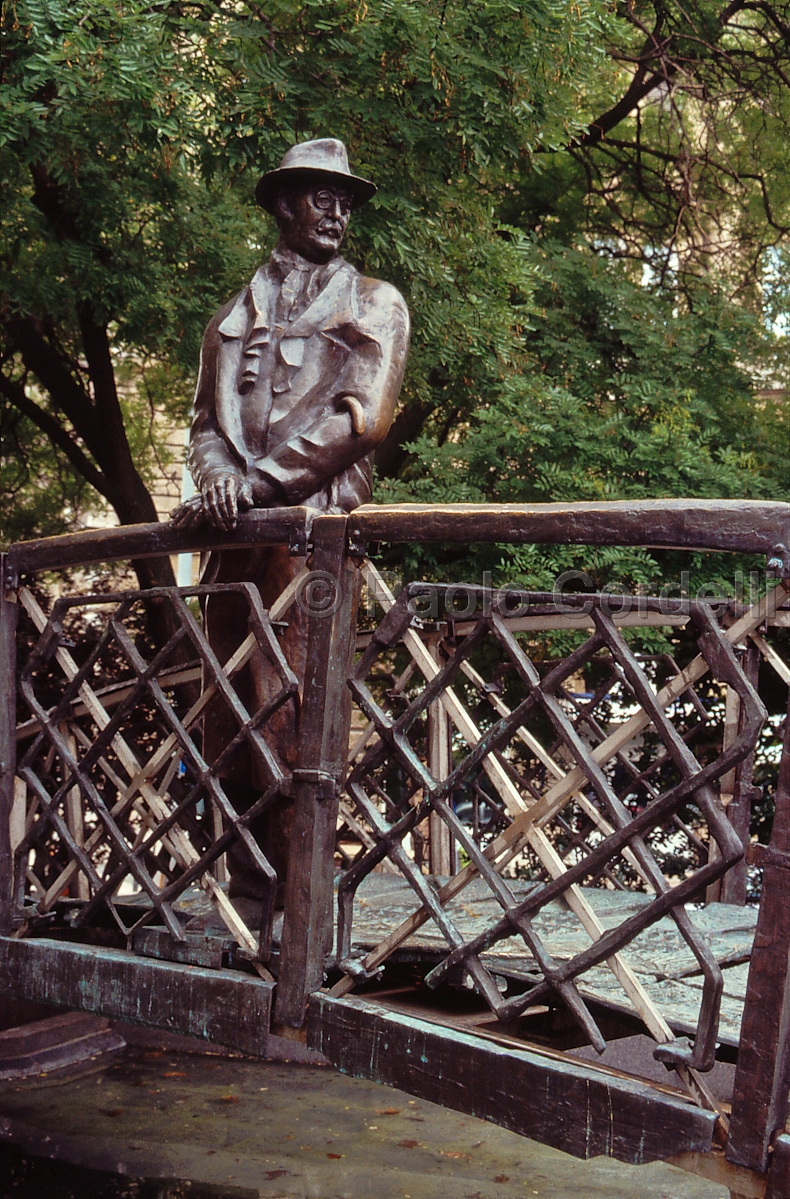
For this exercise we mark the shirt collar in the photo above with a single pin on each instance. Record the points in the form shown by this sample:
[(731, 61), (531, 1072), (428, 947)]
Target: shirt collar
[(283, 261)]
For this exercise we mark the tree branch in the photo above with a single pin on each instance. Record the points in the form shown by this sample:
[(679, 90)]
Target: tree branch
[(15, 394), (657, 64), (43, 361)]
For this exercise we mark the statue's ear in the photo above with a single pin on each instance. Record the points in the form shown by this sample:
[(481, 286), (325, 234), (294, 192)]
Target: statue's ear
[(283, 207)]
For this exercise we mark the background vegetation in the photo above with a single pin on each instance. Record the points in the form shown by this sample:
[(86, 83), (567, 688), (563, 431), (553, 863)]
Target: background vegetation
[(585, 205)]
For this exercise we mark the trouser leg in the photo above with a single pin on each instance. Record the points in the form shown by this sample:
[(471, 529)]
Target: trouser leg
[(244, 779)]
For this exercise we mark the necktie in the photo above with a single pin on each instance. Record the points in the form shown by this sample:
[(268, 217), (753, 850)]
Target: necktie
[(292, 292)]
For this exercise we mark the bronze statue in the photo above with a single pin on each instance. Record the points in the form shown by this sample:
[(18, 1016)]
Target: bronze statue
[(299, 377)]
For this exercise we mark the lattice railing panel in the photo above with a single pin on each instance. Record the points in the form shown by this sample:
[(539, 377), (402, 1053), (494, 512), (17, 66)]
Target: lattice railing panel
[(577, 788), (122, 811)]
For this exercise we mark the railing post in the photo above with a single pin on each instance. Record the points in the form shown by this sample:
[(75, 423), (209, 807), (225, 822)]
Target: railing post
[(762, 1078), (331, 596), (8, 624)]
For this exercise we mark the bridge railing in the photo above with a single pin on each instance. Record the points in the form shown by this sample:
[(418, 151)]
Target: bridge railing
[(493, 783)]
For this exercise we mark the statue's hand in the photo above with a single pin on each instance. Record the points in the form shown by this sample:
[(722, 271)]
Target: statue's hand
[(189, 515), (223, 498)]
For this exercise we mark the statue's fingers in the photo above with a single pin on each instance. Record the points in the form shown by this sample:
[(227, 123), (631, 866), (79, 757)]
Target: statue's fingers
[(224, 506), (231, 502), (211, 507), (218, 502), (187, 515)]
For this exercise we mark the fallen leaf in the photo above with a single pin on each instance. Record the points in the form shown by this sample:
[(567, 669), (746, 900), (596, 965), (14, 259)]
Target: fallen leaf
[(447, 1153), (388, 1111), (230, 1099), (502, 1178), (113, 1111), (408, 1144), (174, 1074), (335, 1156), (270, 1175)]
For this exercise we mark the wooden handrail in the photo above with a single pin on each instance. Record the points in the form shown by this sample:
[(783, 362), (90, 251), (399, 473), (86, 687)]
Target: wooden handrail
[(270, 526), (739, 526)]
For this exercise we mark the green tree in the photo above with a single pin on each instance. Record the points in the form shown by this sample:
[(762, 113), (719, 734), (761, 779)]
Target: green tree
[(618, 395), (130, 139), (684, 164)]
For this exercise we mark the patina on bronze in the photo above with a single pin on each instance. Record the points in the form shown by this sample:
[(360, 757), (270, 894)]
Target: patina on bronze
[(299, 377)]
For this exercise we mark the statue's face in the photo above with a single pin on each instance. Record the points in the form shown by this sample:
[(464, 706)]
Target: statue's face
[(313, 219)]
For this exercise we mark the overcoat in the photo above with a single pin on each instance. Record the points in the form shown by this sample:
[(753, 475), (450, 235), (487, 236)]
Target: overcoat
[(325, 394)]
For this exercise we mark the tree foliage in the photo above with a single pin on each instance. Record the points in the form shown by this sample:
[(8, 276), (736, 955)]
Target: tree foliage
[(618, 396), (131, 139), (684, 163), (514, 140)]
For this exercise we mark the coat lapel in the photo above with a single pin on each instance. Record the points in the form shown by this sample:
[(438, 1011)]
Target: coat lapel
[(252, 309), (331, 314)]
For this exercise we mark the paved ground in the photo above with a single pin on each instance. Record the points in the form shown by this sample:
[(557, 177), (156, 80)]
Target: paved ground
[(241, 1129)]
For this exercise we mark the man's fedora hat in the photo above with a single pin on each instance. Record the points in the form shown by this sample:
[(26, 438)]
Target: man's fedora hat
[(324, 158)]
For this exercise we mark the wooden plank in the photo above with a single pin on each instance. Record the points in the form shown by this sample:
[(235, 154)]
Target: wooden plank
[(57, 1043), (223, 1006), (442, 854), (199, 949), (563, 1103), (734, 884), (567, 620), (739, 526), (261, 526), (113, 695), (762, 1078), (8, 621), (771, 656), (324, 727)]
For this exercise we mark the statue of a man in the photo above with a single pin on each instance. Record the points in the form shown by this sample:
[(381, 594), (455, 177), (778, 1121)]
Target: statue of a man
[(299, 377)]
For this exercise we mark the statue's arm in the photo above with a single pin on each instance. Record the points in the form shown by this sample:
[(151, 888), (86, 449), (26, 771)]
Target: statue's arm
[(218, 474), (209, 453), (361, 403)]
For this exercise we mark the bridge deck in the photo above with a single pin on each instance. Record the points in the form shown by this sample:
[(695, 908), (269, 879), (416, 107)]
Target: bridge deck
[(659, 956)]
